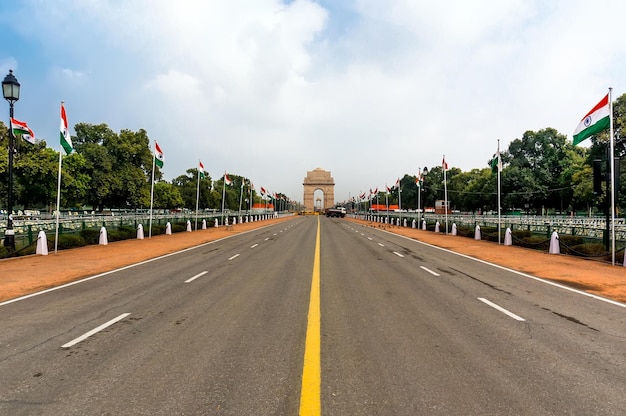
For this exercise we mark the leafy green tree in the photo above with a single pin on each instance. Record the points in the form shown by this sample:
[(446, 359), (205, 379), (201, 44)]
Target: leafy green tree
[(167, 196), (119, 165), (35, 175), (536, 163)]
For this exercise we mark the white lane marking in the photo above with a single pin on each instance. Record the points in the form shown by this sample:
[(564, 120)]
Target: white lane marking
[(233, 257), (369, 238), (253, 246), (381, 244), (130, 266), (267, 238), (363, 234), (94, 331), (517, 272), (429, 271), (398, 254), (191, 279), (501, 309), (275, 233)]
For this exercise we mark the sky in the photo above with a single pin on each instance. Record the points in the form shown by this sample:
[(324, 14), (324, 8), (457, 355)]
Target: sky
[(369, 90)]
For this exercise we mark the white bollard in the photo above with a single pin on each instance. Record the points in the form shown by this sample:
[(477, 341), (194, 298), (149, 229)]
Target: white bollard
[(454, 228), (477, 232), (168, 228), (204, 224), (508, 237), (437, 227), (42, 243), (423, 225), (140, 232), (555, 248), (413, 224), (217, 223), (188, 226), (405, 222), (103, 240)]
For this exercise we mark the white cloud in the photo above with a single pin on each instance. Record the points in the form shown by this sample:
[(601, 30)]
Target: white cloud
[(368, 90)]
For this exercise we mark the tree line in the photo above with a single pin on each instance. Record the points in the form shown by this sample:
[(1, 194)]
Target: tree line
[(542, 171), (109, 170)]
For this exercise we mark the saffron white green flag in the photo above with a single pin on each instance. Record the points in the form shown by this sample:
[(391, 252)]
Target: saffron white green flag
[(158, 155), (594, 122), (66, 140), (20, 128), (227, 180)]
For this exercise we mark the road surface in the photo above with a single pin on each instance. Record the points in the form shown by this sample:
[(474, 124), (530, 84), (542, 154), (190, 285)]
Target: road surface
[(221, 329)]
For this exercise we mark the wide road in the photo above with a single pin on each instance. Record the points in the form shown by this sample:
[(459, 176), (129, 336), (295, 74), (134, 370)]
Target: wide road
[(388, 326)]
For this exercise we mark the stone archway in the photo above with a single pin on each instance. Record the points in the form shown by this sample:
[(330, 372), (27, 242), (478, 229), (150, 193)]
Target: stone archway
[(318, 179)]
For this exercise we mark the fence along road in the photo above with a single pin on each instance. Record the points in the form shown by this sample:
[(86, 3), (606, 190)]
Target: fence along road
[(404, 329)]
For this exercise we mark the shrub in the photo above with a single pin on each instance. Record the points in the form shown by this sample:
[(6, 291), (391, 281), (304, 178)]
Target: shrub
[(90, 236), (122, 233), (71, 240), (588, 250)]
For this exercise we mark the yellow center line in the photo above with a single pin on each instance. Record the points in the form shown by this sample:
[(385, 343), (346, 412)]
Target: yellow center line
[(310, 400)]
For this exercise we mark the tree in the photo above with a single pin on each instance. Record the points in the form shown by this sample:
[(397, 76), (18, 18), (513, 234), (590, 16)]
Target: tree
[(536, 162), (119, 165), (167, 196)]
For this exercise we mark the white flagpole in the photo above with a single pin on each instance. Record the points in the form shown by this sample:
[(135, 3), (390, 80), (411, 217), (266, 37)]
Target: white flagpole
[(612, 163), (56, 233), (400, 197), (445, 191), (223, 196), (198, 194), (240, 197), (499, 165), (419, 192), (152, 190)]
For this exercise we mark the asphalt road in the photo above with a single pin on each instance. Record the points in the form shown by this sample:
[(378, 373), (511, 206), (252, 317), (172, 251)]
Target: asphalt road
[(406, 329)]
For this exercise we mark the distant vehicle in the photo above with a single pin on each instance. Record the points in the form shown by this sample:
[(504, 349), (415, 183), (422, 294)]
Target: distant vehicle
[(338, 212)]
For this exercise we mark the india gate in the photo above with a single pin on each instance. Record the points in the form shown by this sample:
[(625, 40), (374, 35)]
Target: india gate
[(318, 179)]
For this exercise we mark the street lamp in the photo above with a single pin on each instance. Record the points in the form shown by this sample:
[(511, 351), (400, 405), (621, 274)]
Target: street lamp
[(11, 93)]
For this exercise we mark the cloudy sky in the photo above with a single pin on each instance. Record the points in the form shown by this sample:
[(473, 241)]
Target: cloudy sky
[(270, 89)]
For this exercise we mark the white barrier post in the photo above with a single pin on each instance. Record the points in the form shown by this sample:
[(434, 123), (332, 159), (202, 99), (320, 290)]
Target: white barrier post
[(103, 240), (42, 243), (554, 244)]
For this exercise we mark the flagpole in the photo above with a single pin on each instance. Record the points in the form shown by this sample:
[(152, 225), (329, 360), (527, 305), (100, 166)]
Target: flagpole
[(240, 197), (198, 193), (612, 163), (56, 233), (400, 198), (152, 190), (445, 193), (223, 196), (499, 207)]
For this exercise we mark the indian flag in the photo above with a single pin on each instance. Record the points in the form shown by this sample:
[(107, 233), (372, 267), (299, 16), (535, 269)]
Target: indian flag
[(227, 180), (158, 155), (594, 122), (66, 140), (201, 169), (20, 128)]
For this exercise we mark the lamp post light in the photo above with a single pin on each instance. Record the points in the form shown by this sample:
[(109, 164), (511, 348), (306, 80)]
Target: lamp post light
[(11, 93), (424, 173)]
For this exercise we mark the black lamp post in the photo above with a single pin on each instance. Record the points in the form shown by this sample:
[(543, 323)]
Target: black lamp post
[(11, 93)]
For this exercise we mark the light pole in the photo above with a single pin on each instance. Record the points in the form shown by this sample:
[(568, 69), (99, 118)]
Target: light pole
[(11, 93)]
